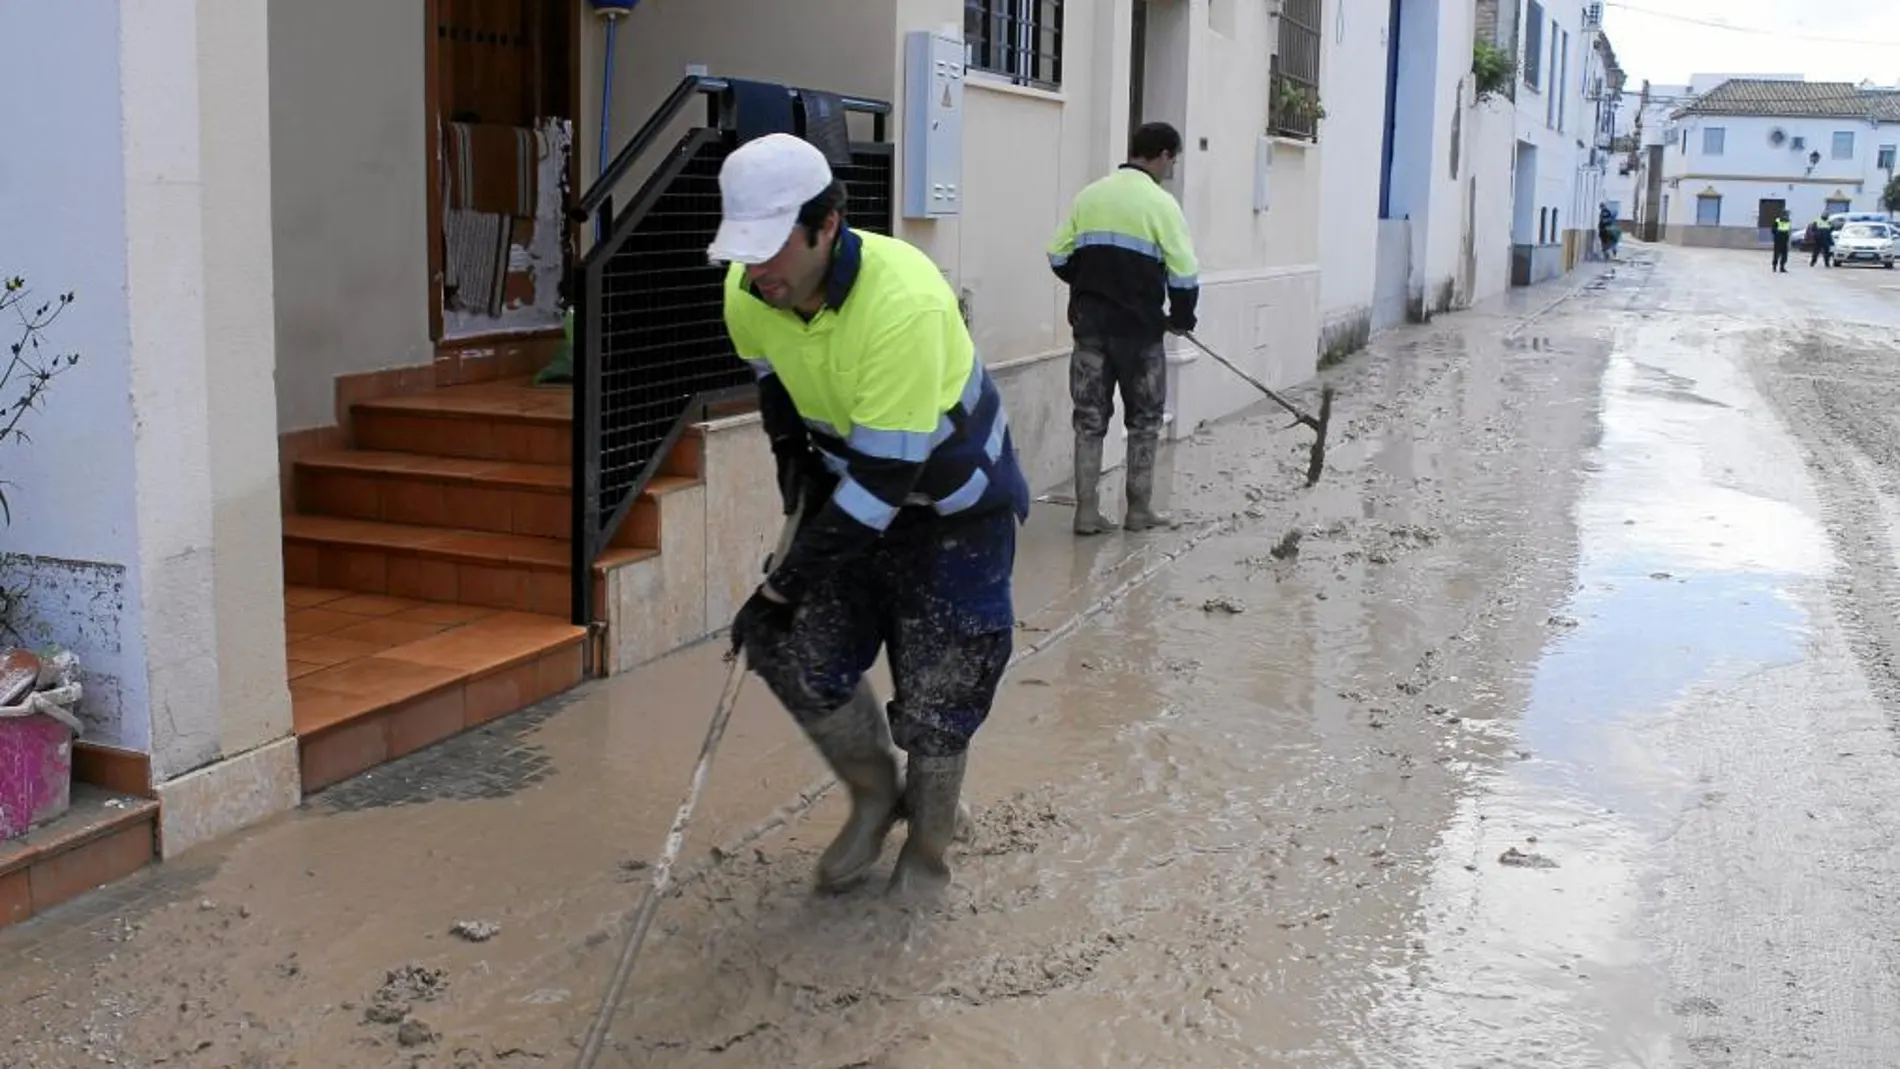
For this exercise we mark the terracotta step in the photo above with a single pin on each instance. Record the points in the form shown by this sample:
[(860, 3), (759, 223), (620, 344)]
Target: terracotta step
[(103, 837), (436, 563), (508, 421), (499, 497), (502, 421), (374, 677)]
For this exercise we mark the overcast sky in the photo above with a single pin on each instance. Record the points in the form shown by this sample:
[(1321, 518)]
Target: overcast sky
[(1768, 39)]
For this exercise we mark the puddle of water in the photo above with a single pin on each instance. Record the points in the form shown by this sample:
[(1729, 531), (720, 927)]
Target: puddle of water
[(1688, 578)]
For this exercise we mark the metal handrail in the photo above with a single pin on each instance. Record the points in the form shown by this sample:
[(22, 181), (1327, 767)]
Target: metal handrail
[(600, 193), (594, 527)]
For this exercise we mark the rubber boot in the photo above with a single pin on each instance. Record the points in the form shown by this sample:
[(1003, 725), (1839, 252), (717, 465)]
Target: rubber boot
[(1088, 487), (931, 795), (1141, 486), (966, 821), (855, 740)]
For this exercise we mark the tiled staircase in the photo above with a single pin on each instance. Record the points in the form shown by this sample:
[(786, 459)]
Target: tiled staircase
[(427, 571)]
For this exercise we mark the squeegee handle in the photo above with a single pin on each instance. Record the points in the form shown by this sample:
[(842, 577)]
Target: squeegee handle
[(1294, 410)]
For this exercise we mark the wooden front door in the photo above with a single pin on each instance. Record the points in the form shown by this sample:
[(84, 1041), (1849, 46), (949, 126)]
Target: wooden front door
[(1765, 216)]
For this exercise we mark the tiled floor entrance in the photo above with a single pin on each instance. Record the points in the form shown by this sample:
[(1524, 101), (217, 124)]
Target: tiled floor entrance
[(428, 569), (374, 677)]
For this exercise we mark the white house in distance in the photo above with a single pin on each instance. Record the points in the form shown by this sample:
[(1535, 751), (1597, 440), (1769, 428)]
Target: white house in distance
[(1748, 148), (1642, 120)]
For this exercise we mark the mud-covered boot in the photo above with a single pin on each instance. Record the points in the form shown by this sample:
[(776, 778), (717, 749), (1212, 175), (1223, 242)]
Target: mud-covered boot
[(855, 740), (966, 821), (931, 795), (1142, 515), (1088, 487)]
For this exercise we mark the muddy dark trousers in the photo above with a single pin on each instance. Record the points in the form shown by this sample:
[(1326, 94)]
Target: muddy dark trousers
[(936, 593), (1780, 262), (1098, 368)]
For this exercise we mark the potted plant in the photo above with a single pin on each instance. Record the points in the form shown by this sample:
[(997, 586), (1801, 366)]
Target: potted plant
[(38, 691), (1294, 109), (1492, 70)]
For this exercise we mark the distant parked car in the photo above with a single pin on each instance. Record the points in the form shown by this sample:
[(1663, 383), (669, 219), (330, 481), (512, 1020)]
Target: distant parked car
[(1866, 243), (1841, 219)]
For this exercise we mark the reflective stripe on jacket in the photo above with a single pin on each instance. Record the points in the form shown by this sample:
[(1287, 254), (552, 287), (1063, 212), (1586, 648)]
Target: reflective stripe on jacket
[(1124, 250), (884, 382)]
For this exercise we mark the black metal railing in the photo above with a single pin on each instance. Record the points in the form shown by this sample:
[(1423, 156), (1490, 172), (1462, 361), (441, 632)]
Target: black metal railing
[(651, 353)]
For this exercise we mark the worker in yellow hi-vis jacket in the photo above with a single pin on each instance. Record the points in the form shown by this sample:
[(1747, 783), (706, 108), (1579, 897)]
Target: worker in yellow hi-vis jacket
[(892, 434), (1129, 262)]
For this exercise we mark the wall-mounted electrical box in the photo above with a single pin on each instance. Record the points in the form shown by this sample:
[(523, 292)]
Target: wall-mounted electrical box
[(933, 125), (1263, 174)]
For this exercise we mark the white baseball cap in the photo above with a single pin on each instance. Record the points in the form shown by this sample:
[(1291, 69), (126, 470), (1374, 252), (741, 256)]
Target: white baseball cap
[(761, 187)]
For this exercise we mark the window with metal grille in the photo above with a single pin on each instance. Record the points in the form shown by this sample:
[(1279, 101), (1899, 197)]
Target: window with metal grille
[(1293, 105), (1018, 39), (1534, 45), (1885, 160)]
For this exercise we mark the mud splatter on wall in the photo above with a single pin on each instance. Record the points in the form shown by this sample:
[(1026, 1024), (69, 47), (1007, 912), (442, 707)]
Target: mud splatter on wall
[(80, 606)]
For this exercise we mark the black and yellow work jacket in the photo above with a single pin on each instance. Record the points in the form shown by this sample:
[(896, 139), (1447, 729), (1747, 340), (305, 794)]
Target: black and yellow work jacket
[(885, 384), (1125, 253)]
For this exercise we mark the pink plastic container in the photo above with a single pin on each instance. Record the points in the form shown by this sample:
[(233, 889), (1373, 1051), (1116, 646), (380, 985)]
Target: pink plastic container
[(36, 772)]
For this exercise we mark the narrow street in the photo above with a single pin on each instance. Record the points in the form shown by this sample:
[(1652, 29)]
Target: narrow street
[(1554, 729)]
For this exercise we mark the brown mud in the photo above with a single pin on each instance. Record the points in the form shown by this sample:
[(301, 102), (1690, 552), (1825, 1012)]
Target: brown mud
[(1552, 728)]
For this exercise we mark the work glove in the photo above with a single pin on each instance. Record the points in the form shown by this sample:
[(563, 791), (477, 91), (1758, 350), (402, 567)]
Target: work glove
[(760, 624), (799, 472)]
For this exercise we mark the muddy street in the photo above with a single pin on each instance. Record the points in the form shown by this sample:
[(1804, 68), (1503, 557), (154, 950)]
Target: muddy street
[(1554, 728)]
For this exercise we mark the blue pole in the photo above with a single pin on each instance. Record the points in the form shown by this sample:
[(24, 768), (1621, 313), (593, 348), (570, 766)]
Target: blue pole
[(606, 113)]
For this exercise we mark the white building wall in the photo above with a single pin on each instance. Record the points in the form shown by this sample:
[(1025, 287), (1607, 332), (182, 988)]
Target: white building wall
[(1444, 154), (1595, 131), (1354, 91), (1550, 118), (1620, 182), (1442, 260), (349, 174), (1492, 149), (161, 447), (1647, 120), (1752, 166), (72, 539)]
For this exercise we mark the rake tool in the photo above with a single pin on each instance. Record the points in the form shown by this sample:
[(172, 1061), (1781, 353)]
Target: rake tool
[(1301, 418)]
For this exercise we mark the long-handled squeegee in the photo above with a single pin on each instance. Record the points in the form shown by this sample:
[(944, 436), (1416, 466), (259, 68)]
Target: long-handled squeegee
[(1300, 416), (676, 834)]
